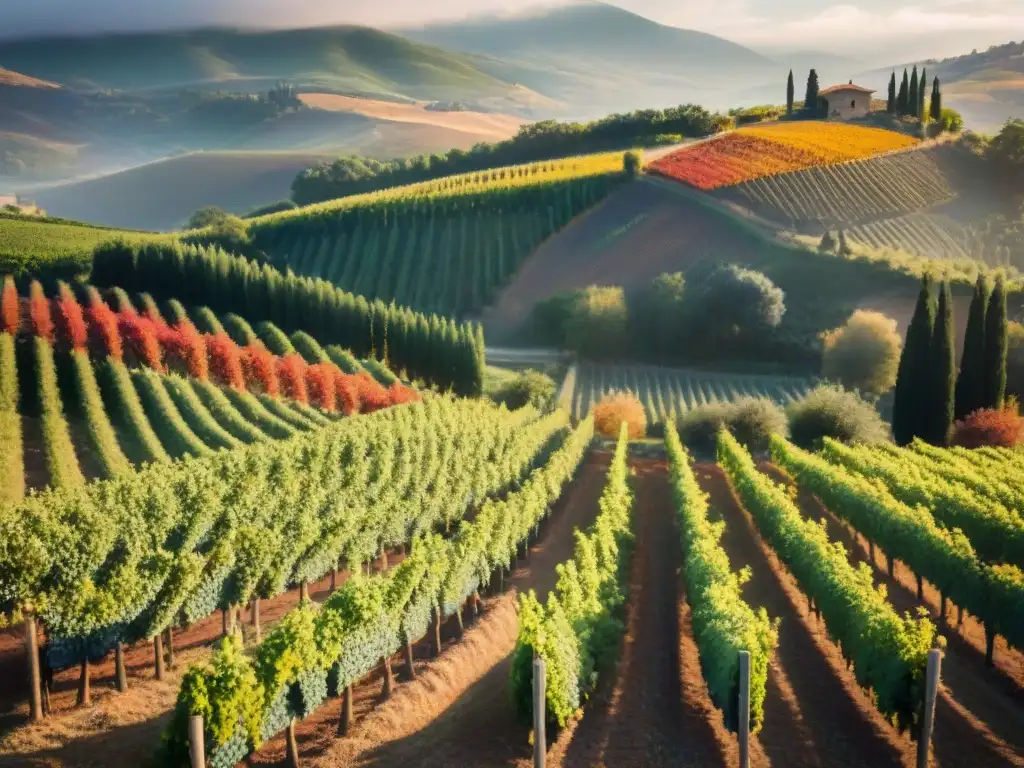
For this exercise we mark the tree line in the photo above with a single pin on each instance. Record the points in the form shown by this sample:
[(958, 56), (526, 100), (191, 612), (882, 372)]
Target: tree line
[(909, 98), (545, 140), (929, 393), (438, 350)]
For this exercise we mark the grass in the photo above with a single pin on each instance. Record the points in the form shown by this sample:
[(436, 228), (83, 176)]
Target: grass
[(764, 151)]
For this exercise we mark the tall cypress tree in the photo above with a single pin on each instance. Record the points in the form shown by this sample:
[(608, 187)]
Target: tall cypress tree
[(811, 97), (890, 106), (941, 373), (996, 342), (921, 113), (912, 96), (790, 93), (911, 396), (970, 384), (936, 105), (901, 99)]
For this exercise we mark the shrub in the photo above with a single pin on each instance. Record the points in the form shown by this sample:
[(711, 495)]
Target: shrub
[(10, 307), (528, 388), (632, 162), (401, 394), (39, 312), (831, 411), (699, 427), (309, 348), (346, 393), (239, 330), (616, 408), (184, 348), (596, 327), (864, 354), (225, 360), (291, 372), (1015, 360), (550, 318), (70, 319), (734, 305), (140, 334), (320, 385), (755, 419), (103, 327), (751, 420), (656, 318), (989, 427), (828, 243), (260, 369), (372, 395)]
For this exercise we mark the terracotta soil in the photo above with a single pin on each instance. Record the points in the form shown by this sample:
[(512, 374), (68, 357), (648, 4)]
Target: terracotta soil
[(469, 719), (657, 711), (815, 713), (979, 718)]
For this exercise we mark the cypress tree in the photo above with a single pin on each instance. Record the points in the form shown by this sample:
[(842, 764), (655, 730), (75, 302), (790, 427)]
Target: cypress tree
[(921, 113), (811, 97), (891, 105), (911, 396), (942, 372), (970, 384), (912, 97), (790, 93), (996, 342), (936, 105), (901, 99)]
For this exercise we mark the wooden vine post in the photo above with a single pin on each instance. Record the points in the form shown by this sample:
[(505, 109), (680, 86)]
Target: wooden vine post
[(743, 726), (389, 678), (255, 616), (928, 714), (122, 677), (158, 656), (437, 632), (540, 742), (35, 678), (85, 684), (345, 724), (410, 662), (196, 746), (170, 647), (293, 746)]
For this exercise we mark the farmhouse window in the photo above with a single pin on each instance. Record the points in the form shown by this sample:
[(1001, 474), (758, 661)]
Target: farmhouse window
[(853, 104)]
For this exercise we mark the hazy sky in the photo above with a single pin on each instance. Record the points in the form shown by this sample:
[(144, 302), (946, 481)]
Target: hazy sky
[(810, 23)]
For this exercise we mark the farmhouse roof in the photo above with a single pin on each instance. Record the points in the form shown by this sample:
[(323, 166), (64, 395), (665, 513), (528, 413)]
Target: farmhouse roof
[(845, 87)]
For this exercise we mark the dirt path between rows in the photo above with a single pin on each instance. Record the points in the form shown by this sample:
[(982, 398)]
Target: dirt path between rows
[(117, 729), (815, 713), (657, 711), (457, 713), (979, 717)]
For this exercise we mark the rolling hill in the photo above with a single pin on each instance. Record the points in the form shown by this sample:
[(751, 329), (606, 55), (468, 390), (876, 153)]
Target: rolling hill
[(353, 59), (987, 87), (652, 226), (598, 57)]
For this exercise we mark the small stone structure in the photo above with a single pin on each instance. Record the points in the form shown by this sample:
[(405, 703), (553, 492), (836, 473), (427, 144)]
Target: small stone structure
[(847, 101)]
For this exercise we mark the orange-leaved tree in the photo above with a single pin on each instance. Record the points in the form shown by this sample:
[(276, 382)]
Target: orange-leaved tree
[(616, 408)]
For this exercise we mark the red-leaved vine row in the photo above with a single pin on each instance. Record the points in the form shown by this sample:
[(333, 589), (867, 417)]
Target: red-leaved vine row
[(150, 341)]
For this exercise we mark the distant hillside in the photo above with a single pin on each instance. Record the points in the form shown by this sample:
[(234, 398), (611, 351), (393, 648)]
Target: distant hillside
[(344, 58), (596, 56), (987, 87)]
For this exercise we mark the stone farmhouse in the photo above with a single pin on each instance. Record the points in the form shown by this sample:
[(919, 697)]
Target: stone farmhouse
[(847, 101)]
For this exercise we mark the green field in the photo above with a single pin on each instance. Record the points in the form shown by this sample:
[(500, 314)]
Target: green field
[(54, 247)]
